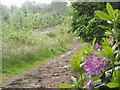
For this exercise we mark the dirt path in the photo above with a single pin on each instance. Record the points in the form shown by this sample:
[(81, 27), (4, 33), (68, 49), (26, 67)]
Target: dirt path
[(48, 75)]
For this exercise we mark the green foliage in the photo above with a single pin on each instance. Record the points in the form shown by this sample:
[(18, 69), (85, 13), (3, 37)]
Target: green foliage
[(108, 51), (84, 23), (103, 15), (76, 60), (77, 83), (20, 35), (108, 75), (112, 85), (23, 36), (66, 86), (23, 44), (115, 81), (116, 75), (34, 16), (20, 19), (110, 10)]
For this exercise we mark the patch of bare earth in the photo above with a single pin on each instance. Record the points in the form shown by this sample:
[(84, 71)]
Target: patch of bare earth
[(48, 75)]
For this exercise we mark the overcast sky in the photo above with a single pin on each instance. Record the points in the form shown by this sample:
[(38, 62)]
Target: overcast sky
[(19, 2)]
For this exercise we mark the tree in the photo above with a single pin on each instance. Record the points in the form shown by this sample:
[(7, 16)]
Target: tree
[(5, 13), (83, 21)]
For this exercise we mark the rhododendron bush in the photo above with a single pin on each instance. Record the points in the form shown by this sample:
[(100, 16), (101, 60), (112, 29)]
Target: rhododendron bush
[(99, 64), (94, 64)]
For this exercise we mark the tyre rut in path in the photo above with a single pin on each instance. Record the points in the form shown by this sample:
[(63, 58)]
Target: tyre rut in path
[(49, 74)]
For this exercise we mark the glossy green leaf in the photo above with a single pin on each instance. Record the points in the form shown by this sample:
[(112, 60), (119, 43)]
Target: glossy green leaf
[(94, 78), (75, 64), (76, 60), (104, 27), (93, 43), (116, 62), (108, 50), (72, 59), (103, 15), (74, 80), (117, 11), (110, 31), (112, 85), (85, 48), (117, 72), (66, 86), (79, 79), (105, 42), (110, 10), (116, 75)]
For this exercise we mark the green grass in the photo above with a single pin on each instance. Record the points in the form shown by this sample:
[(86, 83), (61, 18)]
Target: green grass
[(18, 56)]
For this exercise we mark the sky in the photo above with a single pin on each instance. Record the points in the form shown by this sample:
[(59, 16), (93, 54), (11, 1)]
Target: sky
[(19, 2)]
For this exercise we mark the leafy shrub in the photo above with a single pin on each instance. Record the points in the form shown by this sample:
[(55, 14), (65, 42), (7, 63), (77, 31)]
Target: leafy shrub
[(83, 22), (101, 62)]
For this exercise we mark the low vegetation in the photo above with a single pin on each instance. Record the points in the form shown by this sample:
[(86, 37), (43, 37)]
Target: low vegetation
[(25, 41), (22, 50)]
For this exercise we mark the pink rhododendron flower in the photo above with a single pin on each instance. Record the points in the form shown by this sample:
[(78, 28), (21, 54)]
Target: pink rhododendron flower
[(111, 43), (89, 84), (94, 64), (96, 46), (110, 36)]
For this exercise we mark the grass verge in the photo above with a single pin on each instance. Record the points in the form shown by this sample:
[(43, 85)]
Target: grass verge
[(19, 56)]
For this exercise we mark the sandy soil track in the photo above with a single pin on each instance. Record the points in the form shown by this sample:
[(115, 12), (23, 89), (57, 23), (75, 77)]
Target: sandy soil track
[(49, 74)]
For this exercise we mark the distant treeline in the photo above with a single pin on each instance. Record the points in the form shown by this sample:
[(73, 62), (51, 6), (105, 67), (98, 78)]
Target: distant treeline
[(32, 15)]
